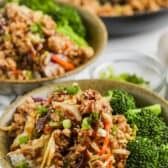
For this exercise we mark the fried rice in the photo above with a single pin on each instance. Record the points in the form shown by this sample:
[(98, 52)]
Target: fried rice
[(70, 128), (31, 47)]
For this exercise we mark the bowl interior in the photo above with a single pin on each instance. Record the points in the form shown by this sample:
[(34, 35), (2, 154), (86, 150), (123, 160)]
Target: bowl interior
[(143, 97)]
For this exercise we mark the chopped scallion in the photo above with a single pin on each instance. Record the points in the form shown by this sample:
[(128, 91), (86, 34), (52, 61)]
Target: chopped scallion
[(66, 123), (41, 110), (23, 139), (72, 90), (86, 123)]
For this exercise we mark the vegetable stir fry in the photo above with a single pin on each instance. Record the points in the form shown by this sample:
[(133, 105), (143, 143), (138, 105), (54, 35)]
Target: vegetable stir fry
[(120, 7), (72, 128), (34, 45)]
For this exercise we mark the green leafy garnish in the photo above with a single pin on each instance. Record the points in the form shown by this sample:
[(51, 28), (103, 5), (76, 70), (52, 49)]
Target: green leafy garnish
[(67, 30), (6, 37), (28, 74), (72, 90), (22, 164), (54, 124), (114, 130), (132, 78), (94, 116), (67, 18), (23, 139), (36, 28), (88, 121), (41, 110), (108, 74)]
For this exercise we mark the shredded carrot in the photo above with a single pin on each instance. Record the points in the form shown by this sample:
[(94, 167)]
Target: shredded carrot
[(16, 72), (105, 145), (66, 65), (106, 140), (109, 166), (49, 100), (109, 162), (107, 156)]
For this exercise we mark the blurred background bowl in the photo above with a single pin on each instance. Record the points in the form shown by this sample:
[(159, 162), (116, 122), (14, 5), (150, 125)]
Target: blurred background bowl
[(133, 63), (97, 38), (138, 23)]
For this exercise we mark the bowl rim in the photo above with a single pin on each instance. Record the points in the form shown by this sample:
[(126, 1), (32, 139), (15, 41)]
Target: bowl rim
[(137, 15), (124, 85), (102, 45)]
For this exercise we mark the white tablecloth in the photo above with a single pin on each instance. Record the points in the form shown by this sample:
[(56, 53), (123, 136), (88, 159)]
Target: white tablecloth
[(146, 43)]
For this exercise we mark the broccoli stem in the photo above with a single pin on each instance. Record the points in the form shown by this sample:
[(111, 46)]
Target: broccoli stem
[(156, 109)]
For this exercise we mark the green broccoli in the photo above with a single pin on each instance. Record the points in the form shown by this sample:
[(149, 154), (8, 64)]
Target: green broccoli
[(133, 78), (147, 120), (120, 101), (61, 13), (155, 109), (163, 156), (149, 123), (143, 154), (69, 14), (162, 138), (66, 29), (71, 89)]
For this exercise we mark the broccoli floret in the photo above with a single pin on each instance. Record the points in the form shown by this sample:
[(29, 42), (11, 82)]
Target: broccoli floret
[(150, 147), (155, 109), (149, 123), (162, 138), (120, 101), (133, 78), (147, 120), (143, 154), (163, 156), (109, 73)]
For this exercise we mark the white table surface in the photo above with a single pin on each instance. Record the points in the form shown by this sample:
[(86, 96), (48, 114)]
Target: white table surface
[(145, 43)]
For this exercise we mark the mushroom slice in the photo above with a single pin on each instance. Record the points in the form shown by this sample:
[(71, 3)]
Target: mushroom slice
[(69, 110)]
